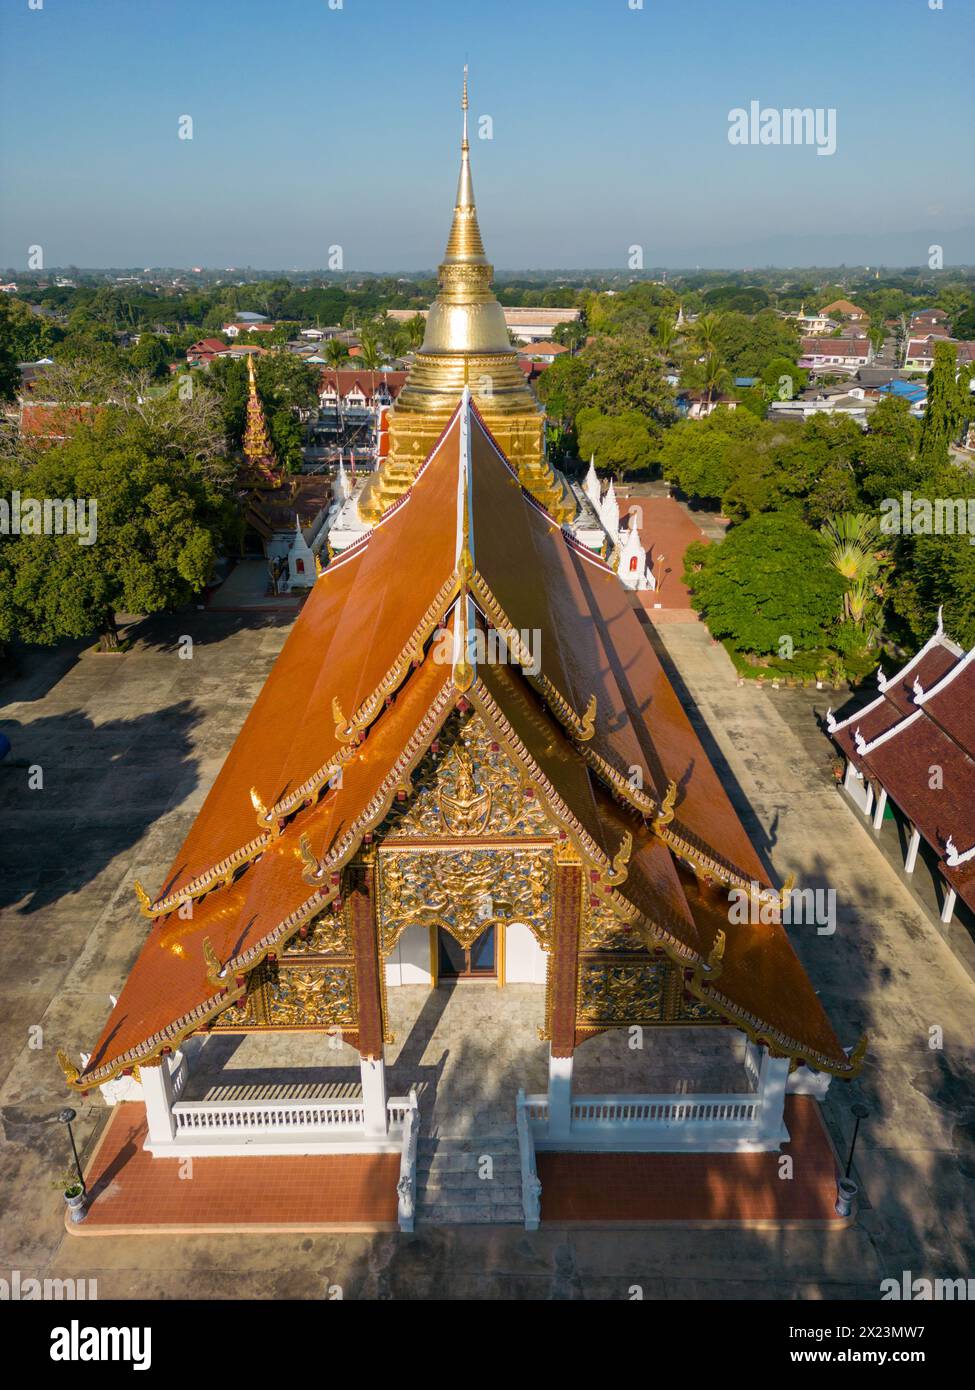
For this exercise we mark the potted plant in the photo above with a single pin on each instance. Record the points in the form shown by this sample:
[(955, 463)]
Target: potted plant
[(74, 1195)]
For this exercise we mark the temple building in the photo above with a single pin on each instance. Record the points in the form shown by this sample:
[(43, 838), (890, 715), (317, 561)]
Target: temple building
[(910, 758), (466, 764)]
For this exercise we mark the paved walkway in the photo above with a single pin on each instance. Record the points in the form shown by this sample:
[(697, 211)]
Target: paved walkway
[(744, 1187), (133, 1192)]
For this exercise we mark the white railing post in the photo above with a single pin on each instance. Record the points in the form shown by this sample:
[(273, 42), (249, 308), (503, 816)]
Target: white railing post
[(373, 1073), (406, 1187), (773, 1080), (157, 1089), (531, 1188), (910, 859), (559, 1097)]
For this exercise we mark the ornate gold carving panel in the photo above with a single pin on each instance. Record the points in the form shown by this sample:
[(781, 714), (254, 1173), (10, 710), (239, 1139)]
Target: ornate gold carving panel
[(470, 790), (328, 935), (603, 930), (619, 990), (612, 993), (464, 891), (312, 994)]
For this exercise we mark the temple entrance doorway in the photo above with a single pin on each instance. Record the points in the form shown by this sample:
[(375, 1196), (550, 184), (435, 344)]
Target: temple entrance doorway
[(477, 961)]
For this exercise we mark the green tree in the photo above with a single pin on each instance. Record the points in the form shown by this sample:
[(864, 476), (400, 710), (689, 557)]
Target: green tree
[(619, 442), (748, 345), (886, 462), (704, 457), (856, 553), (336, 353), (157, 532), (943, 415), (150, 354), (560, 388), (9, 373), (622, 377), (769, 580)]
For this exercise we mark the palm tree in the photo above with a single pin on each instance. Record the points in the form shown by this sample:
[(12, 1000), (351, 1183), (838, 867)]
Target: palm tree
[(336, 353), (704, 333), (854, 551), (416, 327), (714, 376), (666, 335)]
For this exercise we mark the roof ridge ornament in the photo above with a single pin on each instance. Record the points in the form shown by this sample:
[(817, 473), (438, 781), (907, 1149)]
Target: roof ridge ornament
[(344, 729), (145, 902), (621, 860), (314, 869), (587, 724), (710, 970), (71, 1072), (665, 814), (216, 973), (952, 855)]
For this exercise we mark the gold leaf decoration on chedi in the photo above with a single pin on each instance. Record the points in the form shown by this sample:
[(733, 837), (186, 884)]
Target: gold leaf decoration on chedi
[(313, 996), (465, 891), (470, 789)]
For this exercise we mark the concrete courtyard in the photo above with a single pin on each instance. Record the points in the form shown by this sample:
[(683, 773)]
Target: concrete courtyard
[(127, 747)]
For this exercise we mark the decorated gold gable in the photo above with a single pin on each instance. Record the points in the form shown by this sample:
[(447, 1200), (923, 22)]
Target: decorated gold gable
[(471, 846)]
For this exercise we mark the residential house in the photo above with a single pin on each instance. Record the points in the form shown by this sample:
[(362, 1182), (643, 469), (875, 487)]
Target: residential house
[(835, 354), (848, 311), (544, 352)]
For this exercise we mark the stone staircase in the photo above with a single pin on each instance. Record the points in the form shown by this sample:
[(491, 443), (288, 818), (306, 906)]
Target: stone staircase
[(450, 1190)]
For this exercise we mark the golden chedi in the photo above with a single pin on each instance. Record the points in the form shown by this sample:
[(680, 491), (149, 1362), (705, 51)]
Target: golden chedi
[(466, 343)]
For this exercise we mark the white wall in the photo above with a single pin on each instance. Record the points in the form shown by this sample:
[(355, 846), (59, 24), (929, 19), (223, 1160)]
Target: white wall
[(524, 959), (409, 961)]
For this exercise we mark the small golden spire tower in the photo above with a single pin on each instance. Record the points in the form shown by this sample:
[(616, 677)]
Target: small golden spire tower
[(466, 342)]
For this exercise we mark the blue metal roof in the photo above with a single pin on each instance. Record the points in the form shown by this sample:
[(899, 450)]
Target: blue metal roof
[(908, 390)]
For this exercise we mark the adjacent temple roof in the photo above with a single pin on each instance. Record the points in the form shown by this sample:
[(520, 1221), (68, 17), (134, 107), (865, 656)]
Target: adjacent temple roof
[(389, 642), (924, 718)]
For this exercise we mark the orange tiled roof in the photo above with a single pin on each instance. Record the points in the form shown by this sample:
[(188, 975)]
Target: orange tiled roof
[(594, 724)]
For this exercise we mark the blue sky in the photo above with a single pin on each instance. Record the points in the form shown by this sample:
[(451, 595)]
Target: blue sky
[(315, 126)]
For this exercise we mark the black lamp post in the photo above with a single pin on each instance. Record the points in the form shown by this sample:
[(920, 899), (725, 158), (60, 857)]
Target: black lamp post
[(66, 1116), (860, 1112)]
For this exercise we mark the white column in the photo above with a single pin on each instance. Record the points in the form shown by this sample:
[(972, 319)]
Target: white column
[(157, 1088), (868, 803), (948, 909), (910, 858), (559, 1097), (850, 778), (373, 1073), (772, 1081), (878, 815)]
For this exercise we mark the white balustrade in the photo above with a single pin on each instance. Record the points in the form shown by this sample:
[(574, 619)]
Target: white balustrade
[(531, 1188), (658, 1123), (267, 1117), (406, 1186)]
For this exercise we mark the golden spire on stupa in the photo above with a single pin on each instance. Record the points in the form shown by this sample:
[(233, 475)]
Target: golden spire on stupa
[(466, 342)]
